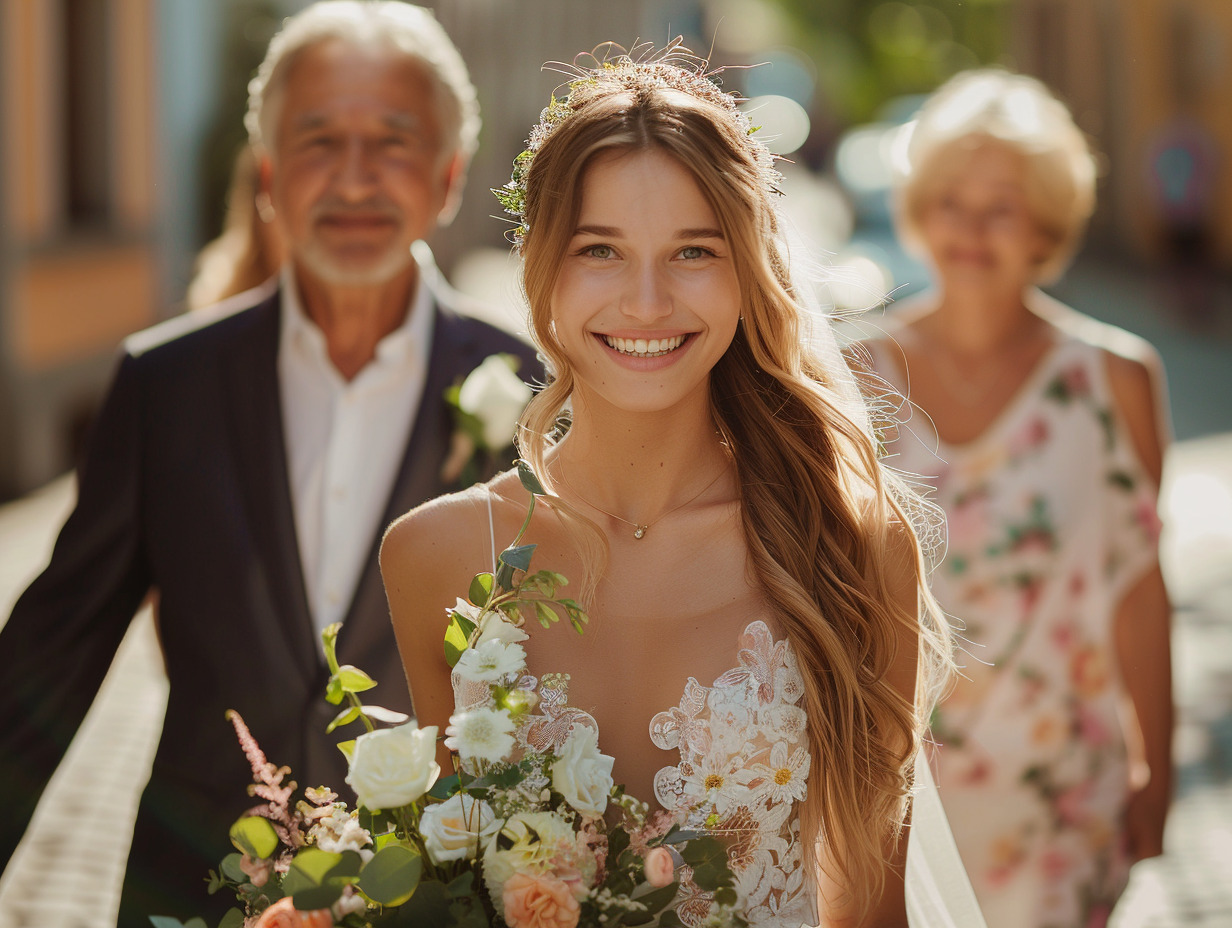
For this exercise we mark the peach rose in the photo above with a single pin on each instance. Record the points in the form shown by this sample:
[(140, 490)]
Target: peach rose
[(539, 902), (283, 914), (659, 867)]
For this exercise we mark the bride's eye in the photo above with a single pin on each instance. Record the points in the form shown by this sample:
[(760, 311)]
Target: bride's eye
[(693, 252), (603, 252)]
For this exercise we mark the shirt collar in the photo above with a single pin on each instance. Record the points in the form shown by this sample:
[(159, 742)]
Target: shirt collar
[(300, 333)]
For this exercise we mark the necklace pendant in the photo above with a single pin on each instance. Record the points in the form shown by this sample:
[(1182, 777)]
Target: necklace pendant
[(641, 530)]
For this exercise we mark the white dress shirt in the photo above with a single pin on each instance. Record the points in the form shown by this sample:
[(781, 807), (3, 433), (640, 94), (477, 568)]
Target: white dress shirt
[(345, 442)]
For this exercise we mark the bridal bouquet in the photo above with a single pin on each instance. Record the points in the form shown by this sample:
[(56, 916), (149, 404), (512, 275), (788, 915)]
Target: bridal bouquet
[(525, 832)]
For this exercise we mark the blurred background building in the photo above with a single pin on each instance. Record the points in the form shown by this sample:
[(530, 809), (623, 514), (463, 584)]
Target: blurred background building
[(121, 119)]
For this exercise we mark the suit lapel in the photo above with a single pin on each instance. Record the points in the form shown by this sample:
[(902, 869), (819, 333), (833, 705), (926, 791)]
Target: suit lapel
[(255, 413), (418, 476)]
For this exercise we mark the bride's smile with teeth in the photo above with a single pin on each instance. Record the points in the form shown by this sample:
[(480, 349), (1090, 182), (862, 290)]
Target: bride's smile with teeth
[(645, 347)]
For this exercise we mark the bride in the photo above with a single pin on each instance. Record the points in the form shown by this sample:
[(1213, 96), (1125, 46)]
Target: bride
[(756, 647)]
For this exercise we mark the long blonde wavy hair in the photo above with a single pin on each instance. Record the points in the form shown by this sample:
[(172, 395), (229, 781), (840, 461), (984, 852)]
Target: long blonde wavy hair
[(818, 507)]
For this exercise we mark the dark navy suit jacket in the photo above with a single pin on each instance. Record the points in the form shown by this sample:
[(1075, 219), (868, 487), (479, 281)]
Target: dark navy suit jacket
[(184, 490)]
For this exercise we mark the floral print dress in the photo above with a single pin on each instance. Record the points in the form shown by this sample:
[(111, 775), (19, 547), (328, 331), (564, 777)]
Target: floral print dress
[(1051, 518)]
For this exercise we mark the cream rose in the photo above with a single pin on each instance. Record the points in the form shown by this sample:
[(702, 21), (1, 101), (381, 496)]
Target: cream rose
[(581, 774), (453, 829), (393, 767), (494, 395)]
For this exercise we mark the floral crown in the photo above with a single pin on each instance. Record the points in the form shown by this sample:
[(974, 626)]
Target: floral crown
[(671, 68)]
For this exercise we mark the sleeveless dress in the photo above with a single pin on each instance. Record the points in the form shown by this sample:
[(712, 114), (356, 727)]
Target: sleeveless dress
[(736, 764), (1051, 518)]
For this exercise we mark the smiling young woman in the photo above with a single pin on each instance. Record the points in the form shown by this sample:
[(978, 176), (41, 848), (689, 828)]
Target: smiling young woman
[(717, 492)]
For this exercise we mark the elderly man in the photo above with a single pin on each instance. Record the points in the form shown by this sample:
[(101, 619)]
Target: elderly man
[(244, 465)]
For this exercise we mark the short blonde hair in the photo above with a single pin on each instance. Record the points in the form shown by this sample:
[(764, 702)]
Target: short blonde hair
[(410, 30), (1020, 113)]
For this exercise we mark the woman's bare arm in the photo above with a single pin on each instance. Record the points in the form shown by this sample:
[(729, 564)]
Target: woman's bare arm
[(427, 560), (1142, 622)]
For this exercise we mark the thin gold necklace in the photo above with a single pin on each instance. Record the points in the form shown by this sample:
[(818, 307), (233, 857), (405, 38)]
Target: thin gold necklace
[(639, 528)]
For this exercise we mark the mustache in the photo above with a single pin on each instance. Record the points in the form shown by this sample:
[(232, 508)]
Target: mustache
[(374, 206)]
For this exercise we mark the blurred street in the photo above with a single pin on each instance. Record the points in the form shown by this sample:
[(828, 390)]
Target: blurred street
[(66, 873)]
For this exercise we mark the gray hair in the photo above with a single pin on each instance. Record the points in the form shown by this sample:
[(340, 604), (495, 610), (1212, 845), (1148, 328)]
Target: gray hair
[(409, 30)]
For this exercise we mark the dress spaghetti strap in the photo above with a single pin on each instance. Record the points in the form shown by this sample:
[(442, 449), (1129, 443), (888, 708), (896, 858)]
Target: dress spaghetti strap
[(491, 530)]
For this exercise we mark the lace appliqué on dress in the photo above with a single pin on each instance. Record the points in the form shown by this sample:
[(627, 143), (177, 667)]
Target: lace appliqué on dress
[(744, 763)]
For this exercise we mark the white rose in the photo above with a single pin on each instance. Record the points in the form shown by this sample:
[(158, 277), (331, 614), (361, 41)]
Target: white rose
[(581, 774), (496, 397), (491, 662), (392, 767), (453, 829)]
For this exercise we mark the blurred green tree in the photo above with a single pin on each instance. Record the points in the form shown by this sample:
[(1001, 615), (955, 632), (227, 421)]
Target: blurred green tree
[(870, 51)]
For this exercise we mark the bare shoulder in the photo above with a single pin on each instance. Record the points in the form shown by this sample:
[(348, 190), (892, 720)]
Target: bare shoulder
[(1135, 376), (436, 533)]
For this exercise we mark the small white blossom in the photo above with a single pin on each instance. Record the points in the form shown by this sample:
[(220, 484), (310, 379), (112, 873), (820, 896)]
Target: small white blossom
[(493, 661), (340, 831), (481, 734)]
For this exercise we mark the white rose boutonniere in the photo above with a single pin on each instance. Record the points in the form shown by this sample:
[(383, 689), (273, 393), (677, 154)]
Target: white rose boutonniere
[(581, 774), (486, 407), (392, 767)]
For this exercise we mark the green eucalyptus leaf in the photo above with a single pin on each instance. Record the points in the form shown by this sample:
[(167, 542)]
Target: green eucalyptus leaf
[(504, 576), (429, 905), (445, 787), (392, 875), (654, 901), (164, 921), (334, 693), (354, 680), (233, 919), (529, 480), (230, 868), (347, 748), (481, 589), (255, 836), (518, 557), (317, 897), (345, 717), (314, 864), (457, 637), (708, 858)]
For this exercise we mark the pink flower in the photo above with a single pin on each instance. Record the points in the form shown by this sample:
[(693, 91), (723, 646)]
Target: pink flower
[(257, 869), (659, 866), (1033, 434), (1056, 865), (283, 914), (1076, 381), (539, 902)]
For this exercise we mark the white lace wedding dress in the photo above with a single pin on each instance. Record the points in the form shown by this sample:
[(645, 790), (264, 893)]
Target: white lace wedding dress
[(739, 762)]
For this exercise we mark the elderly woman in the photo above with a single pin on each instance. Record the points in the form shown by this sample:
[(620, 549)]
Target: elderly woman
[(1043, 432)]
